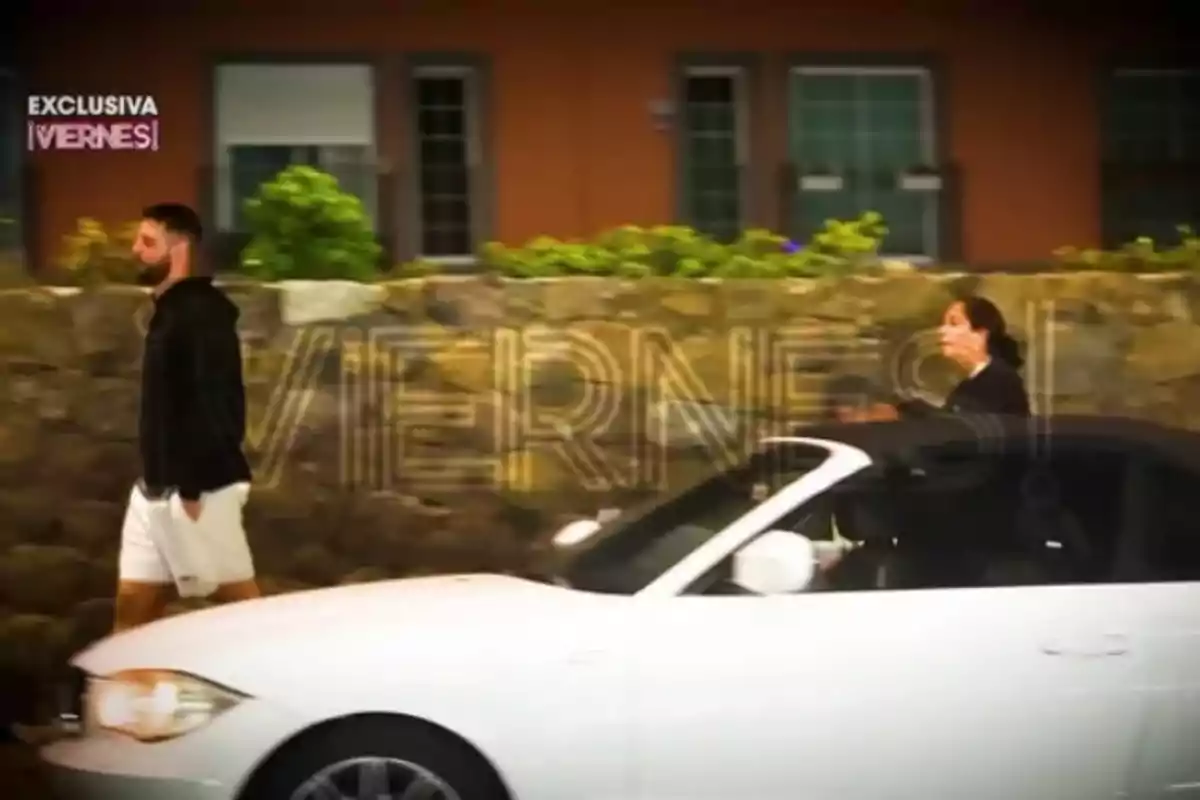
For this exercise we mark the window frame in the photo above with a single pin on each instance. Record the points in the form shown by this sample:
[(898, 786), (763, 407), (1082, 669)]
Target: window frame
[(217, 187), (1117, 174), (475, 69), (741, 71), (930, 134), (313, 155), (1118, 72), (472, 150)]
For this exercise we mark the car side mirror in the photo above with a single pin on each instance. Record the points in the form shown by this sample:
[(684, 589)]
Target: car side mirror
[(778, 562), (607, 515), (575, 532)]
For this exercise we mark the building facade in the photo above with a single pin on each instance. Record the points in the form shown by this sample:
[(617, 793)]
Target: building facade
[(462, 122)]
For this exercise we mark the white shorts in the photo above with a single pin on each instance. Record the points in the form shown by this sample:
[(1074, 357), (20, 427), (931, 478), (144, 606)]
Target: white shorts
[(160, 543)]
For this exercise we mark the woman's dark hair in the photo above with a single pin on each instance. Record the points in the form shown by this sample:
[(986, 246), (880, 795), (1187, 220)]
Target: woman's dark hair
[(984, 316)]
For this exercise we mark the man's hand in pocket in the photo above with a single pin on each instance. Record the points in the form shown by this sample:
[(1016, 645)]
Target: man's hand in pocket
[(192, 508)]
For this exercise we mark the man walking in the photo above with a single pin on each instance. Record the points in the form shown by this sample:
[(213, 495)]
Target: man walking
[(183, 527)]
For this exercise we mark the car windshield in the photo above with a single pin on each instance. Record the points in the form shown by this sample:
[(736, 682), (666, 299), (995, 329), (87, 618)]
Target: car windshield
[(633, 549)]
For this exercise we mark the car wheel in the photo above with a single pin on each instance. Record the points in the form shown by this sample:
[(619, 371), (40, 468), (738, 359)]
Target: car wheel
[(376, 758)]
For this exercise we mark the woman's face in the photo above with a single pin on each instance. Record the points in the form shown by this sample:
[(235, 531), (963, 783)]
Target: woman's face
[(959, 342)]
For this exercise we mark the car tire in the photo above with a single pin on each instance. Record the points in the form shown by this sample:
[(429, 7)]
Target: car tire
[(407, 742)]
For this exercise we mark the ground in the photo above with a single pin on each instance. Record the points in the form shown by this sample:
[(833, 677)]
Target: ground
[(20, 773)]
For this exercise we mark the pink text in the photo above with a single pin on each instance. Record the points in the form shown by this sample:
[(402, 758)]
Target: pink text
[(141, 135)]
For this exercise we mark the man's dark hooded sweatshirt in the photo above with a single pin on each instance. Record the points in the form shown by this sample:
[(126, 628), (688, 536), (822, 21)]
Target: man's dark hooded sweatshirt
[(193, 413)]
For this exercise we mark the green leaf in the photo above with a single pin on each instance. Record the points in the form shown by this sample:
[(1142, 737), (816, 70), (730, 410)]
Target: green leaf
[(303, 226)]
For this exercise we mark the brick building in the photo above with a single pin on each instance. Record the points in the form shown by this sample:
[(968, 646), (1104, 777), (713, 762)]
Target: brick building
[(462, 120)]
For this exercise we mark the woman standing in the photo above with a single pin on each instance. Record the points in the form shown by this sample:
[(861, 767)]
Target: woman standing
[(975, 336)]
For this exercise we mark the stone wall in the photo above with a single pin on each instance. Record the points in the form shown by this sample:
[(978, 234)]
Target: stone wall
[(447, 424)]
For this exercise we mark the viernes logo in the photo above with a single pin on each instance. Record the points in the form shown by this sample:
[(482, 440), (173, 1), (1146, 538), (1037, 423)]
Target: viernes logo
[(131, 123), (93, 135)]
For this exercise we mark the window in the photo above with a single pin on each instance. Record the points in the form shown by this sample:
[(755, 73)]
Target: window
[(447, 115), (252, 165), (855, 528), (271, 116), (11, 140), (1151, 128), (1173, 533), (714, 149), (629, 552), (866, 125)]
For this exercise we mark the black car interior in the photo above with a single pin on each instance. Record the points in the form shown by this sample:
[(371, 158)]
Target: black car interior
[(998, 521), (947, 519)]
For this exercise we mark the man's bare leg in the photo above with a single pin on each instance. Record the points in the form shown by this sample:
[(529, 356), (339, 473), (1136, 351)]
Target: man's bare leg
[(237, 591), (139, 602)]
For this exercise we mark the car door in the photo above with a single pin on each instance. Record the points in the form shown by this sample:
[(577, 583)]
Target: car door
[(979, 691), (1166, 581)]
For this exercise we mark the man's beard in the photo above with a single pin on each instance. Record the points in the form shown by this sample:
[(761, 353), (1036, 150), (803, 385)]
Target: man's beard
[(152, 274)]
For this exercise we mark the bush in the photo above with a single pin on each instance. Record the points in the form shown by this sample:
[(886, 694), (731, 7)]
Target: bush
[(412, 269), (92, 254), (303, 226), (1140, 255), (674, 251)]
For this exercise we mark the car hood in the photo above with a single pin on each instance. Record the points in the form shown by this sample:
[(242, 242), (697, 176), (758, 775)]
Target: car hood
[(204, 642)]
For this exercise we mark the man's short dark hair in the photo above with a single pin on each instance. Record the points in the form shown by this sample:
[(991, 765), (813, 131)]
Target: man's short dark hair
[(176, 218)]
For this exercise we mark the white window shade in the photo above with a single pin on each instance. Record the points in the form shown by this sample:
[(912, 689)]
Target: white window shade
[(295, 104)]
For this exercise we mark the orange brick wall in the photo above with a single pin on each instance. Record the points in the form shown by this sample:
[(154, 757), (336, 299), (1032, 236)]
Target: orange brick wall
[(575, 148)]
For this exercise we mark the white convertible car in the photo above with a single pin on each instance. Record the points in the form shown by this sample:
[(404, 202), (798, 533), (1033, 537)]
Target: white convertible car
[(947, 609)]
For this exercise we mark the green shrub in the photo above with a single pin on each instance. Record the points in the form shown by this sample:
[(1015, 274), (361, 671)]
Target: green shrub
[(1140, 255), (412, 269), (303, 226), (676, 251)]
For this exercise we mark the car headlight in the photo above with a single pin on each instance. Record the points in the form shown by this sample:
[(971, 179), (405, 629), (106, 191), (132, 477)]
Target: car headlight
[(154, 705)]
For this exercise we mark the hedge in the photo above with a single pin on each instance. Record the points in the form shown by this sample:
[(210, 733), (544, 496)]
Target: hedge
[(304, 226)]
